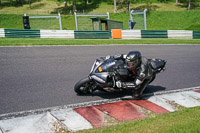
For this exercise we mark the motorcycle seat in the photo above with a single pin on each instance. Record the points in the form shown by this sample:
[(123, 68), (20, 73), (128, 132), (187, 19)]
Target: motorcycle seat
[(157, 63)]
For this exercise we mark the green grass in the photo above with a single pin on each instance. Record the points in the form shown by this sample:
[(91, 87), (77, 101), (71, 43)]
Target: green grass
[(38, 41), (162, 20), (11, 21), (164, 16), (183, 121), (171, 20)]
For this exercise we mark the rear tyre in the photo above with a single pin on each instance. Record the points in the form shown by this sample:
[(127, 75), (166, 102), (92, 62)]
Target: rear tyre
[(82, 86)]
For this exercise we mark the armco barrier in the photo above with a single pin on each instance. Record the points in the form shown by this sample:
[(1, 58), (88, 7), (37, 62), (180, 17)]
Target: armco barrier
[(22, 33), (56, 34), (196, 34), (2, 33), (125, 34), (154, 33), (131, 34), (92, 34), (179, 34)]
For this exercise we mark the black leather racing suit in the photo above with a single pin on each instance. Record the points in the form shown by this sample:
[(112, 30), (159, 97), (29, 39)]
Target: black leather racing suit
[(143, 73)]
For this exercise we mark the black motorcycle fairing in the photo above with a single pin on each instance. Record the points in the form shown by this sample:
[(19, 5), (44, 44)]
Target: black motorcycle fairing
[(102, 72)]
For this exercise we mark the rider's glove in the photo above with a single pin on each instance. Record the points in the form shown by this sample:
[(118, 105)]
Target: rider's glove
[(120, 84)]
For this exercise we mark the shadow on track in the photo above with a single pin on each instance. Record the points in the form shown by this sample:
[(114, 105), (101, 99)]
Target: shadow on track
[(112, 95)]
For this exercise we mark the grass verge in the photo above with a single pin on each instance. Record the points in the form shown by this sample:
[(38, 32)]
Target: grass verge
[(156, 20), (39, 41), (186, 120)]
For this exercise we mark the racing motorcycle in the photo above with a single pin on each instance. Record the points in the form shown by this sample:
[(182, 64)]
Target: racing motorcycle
[(106, 71)]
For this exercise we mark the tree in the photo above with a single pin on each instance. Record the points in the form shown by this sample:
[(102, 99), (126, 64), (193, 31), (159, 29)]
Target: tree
[(115, 6), (176, 2), (128, 5), (86, 3), (189, 4), (74, 6), (29, 1)]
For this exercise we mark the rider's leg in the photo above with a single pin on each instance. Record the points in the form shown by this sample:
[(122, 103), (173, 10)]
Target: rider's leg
[(139, 90)]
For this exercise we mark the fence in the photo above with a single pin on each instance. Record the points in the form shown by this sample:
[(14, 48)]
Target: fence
[(139, 20), (87, 19)]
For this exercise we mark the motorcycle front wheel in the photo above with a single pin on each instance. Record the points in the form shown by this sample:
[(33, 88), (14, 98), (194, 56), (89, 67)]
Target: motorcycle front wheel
[(82, 86)]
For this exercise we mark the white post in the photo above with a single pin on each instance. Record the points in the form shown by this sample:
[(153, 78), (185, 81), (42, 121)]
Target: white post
[(131, 17), (145, 20), (76, 21), (108, 15), (60, 23)]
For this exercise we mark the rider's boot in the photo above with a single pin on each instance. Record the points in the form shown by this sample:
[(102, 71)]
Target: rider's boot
[(136, 94)]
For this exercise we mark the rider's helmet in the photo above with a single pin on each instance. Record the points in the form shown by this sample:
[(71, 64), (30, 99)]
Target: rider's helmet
[(133, 59)]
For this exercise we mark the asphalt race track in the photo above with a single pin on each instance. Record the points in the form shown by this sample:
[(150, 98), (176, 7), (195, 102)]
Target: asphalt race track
[(44, 76)]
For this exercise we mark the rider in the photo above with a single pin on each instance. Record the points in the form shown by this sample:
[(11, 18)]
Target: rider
[(140, 66)]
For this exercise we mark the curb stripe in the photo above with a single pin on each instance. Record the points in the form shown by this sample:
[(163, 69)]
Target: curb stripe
[(150, 106), (71, 119), (162, 103), (184, 99), (197, 91), (92, 114), (45, 123), (121, 111)]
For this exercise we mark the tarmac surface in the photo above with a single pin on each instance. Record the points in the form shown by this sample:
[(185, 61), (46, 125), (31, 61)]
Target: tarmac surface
[(44, 76)]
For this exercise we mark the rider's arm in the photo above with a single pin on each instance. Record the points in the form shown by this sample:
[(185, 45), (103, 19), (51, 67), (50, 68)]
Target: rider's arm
[(142, 74)]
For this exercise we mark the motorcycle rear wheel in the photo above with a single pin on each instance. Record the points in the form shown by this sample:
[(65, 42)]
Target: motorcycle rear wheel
[(81, 87)]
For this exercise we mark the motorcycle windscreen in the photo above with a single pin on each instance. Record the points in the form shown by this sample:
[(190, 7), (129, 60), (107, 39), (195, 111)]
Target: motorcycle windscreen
[(107, 66)]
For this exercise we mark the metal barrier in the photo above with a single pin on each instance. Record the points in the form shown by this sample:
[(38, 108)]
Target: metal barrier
[(92, 34), (56, 34), (196, 34), (131, 34), (2, 33), (154, 34), (15, 33), (179, 34), (125, 34)]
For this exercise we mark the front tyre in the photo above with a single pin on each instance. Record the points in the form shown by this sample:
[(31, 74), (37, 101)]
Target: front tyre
[(82, 86)]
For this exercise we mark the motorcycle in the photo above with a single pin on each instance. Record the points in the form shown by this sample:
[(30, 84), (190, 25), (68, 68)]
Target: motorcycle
[(106, 71)]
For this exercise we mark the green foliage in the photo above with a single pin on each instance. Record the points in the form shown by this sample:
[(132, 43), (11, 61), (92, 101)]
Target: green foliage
[(16, 3)]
